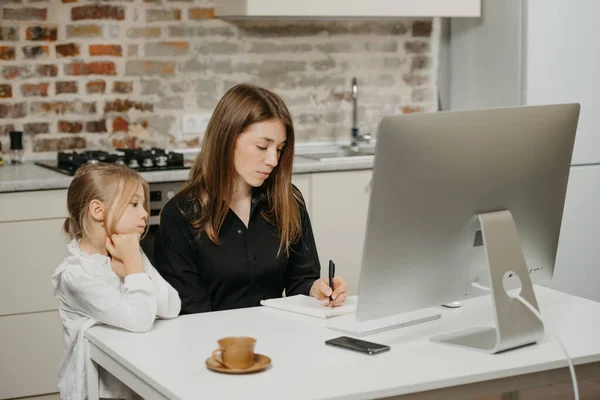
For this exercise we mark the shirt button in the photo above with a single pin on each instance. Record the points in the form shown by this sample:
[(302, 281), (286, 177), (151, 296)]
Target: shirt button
[(254, 257), (240, 231)]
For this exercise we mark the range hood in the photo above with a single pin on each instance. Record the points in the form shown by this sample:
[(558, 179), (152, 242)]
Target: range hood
[(347, 8)]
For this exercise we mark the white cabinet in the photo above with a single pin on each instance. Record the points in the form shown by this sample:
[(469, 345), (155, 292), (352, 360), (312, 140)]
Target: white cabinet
[(577, 267), (347, 8), (340, 202), (32, 246), (31, 348), (31, 251)]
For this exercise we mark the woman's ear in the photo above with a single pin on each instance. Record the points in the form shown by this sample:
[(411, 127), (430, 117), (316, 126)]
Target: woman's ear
[(96, 209)]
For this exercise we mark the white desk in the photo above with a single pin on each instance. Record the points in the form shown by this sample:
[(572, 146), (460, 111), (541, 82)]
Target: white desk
[(168, 362)]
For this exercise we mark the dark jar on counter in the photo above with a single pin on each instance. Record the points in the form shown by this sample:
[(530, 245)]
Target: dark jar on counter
[(16, 147)]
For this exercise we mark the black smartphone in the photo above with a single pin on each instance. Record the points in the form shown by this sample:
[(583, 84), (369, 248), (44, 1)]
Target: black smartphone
[(357, 345)]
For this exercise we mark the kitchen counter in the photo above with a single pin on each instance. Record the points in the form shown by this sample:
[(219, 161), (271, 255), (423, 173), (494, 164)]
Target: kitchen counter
[(28, 177)]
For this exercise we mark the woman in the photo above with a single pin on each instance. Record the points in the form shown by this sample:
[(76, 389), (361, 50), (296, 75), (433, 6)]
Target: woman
[(238, 232)]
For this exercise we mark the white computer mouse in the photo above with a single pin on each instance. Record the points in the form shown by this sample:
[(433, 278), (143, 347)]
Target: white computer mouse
[(452, 304)]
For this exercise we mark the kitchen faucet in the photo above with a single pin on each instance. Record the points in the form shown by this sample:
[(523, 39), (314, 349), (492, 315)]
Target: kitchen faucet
[(356, 137)]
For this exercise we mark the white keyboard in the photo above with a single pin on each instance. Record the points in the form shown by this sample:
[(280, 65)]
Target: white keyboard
[(350, 325)]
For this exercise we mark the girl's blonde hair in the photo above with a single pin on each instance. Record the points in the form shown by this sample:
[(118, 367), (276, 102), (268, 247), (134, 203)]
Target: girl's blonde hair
[(113, 184)]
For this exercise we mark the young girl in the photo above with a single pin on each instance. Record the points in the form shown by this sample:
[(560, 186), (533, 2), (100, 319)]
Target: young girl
[(106, 278)]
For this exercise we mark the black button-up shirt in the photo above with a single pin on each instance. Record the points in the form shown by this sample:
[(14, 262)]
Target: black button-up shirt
[(239, 272)]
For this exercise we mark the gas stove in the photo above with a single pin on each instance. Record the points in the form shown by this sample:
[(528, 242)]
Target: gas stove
[(142, 160)]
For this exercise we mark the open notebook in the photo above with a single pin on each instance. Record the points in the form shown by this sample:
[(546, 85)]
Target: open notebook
[(306, 305)]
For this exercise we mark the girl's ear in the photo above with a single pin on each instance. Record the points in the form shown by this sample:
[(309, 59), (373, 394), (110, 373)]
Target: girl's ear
[(96, 209)]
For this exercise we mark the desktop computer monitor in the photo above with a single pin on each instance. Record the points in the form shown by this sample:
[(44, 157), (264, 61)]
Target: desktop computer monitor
[(434, 174)]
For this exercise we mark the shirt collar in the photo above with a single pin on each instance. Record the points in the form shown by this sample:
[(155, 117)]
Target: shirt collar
[(258, 194)]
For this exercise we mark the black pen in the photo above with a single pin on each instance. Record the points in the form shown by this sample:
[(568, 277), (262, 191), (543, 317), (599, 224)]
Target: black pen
[(331, 275)]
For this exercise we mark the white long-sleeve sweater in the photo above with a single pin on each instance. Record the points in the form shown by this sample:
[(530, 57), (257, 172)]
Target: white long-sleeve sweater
[(90, 293)]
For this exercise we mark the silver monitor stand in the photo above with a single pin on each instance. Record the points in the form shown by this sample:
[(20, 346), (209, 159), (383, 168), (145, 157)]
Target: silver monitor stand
[(516, 325)]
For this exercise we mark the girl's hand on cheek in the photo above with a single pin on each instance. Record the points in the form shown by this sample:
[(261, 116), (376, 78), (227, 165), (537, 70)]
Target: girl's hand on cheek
[(125, 247)]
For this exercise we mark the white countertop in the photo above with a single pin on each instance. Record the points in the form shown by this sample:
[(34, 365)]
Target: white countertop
[(28, 177), (170, 358)]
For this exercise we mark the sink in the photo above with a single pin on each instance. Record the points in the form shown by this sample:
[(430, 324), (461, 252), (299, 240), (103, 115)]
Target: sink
[(344, 152)]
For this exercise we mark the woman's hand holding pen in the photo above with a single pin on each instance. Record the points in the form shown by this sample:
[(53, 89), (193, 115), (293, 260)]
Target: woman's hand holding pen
[(321, 291)]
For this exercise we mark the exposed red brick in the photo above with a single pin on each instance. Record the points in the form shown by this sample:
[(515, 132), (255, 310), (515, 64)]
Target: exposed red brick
[(342, 96), (420, 62), (141, 67), (25, 14), (70, 126), (128, 142), (191, 143), (63, 107), (5, 91), (422, 28), (46, 70), (411, 109), (48, 33), (9, 33), (415, 80), (84, 31), (16, 110), (93, 68), (11, 72), (39, 89), (34, 52), (122, 87), (66, 87), (96, 126), (163, 15), (97, 12), (126, 105), (7, 53), (95, 87), (6, 129), (67, 50), (35, 128), (201, 13), (166, 48), (59, 107), (120, 125), (41, 144), (106, 50), (416, 46), (143, 32)]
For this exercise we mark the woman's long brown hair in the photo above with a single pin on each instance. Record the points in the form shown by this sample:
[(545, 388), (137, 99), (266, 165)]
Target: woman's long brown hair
[(212, 178)]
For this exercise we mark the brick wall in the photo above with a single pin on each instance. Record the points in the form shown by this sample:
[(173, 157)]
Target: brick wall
[(96, 74)]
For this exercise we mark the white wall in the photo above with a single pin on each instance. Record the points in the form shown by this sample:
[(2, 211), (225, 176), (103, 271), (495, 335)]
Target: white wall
[(485, 57), (563, 65)]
